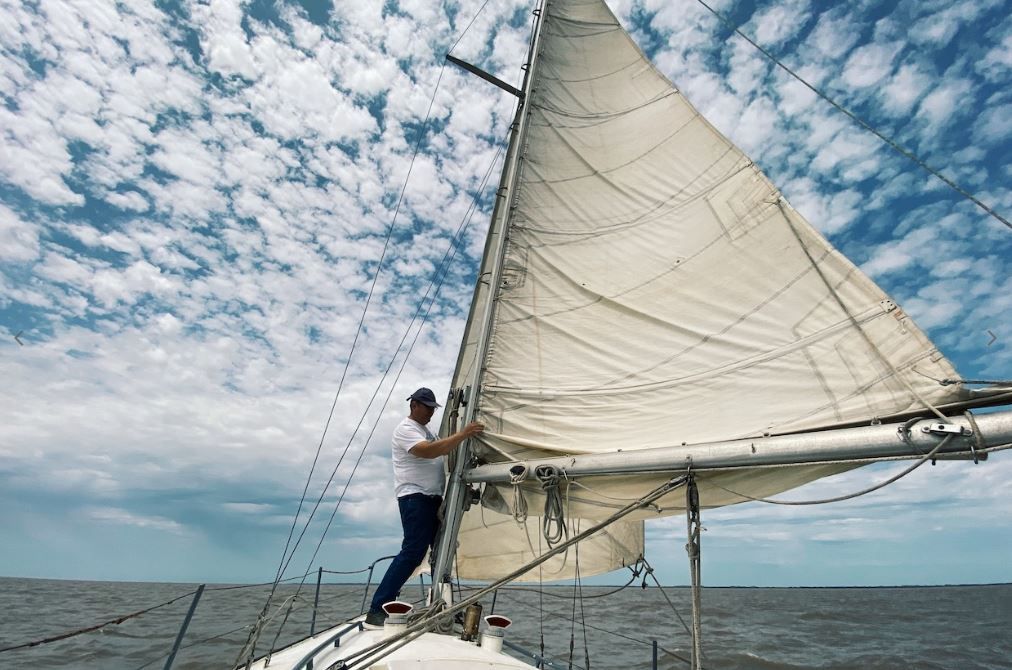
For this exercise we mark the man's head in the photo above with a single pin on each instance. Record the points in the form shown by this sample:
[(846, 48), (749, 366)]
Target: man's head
[(422, 404)]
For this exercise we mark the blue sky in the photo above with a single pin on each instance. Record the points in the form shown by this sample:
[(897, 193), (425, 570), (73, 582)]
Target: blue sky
[(193, 200)]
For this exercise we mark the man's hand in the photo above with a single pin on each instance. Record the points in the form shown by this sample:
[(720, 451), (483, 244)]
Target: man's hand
[(471, 429), (444, 446)]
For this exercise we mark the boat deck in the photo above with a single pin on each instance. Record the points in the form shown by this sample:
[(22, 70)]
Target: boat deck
[(430, 651)]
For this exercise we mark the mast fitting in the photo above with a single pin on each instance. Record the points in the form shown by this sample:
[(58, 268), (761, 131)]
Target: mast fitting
[(945, 429), (490, 78)]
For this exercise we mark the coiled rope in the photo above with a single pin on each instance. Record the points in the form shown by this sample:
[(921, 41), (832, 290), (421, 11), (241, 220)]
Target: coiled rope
[(553, 522), (518, 473)]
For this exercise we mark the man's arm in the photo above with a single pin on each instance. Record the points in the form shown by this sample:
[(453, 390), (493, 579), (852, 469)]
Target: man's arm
[(442, 447)]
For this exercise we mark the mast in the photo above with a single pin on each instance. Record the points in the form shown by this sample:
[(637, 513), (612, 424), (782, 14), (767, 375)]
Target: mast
[(495, 247)]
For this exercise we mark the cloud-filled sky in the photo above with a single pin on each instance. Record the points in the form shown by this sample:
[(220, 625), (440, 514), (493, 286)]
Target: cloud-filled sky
[(194, 199)]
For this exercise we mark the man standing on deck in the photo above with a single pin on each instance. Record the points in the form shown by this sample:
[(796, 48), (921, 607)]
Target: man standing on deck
[(418, 483)]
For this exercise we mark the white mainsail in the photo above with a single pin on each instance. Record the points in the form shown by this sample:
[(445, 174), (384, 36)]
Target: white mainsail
[(658, 290)]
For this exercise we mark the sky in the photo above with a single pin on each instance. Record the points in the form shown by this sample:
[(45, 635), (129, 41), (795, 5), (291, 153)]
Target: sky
[(194, 199)]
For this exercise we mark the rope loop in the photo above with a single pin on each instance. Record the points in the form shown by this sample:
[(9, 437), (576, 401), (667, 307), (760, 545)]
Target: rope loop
[(518, 473), (553, 524), (978, 439)]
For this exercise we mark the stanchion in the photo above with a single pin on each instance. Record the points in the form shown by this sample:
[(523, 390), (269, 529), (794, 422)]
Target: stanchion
[(182, 629)]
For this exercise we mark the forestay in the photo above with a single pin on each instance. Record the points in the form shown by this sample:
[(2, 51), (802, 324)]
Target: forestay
[(659, 290)]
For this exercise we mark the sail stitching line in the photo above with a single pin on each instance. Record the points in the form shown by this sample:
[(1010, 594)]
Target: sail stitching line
[(743, 364), (861, 122), (603, 117), (857, 325), (660, 209)]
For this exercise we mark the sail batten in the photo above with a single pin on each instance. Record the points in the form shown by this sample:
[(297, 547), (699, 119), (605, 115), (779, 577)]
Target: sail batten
[(657, 289)]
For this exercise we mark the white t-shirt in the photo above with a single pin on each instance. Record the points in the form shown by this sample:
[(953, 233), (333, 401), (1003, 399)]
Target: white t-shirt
[(411, 473)]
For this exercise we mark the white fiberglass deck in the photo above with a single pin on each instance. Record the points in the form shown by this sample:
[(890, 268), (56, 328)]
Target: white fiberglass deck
[(430, 651)]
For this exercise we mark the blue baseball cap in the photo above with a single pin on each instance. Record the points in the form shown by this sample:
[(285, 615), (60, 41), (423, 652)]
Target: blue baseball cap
[(425, 396)]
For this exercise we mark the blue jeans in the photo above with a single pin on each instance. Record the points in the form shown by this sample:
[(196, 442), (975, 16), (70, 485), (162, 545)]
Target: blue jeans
[(420, 521)]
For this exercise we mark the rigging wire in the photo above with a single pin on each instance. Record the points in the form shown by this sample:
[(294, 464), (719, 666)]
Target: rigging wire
[(365, 309), (132, 615), (435, 285), (606, 630), (473, 19), (583, 614), (921, 461), (361, 321), (861, 122), (650, 573), (283, 563), (443, 269), (117, 620)]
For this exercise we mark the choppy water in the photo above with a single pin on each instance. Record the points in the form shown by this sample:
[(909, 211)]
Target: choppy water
[(961, 627)]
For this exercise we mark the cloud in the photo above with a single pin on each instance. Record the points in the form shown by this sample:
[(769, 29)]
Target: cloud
[(780, 22), (19, 240), (122, 517), (904, 89), (869, 64), (945, 102)]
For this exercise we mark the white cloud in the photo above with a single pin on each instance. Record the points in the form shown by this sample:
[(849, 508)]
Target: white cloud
[(904, 89), (997, 62), (835, 33), (123, 517), (869, 64), (950, 99), (994, 124), (780, 22), (19, 239)]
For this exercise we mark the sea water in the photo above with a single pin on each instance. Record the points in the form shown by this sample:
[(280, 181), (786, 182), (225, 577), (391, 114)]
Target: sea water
[(951, 627)]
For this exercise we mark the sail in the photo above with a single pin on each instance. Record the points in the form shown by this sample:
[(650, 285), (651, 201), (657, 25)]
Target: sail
[(657, 290)]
